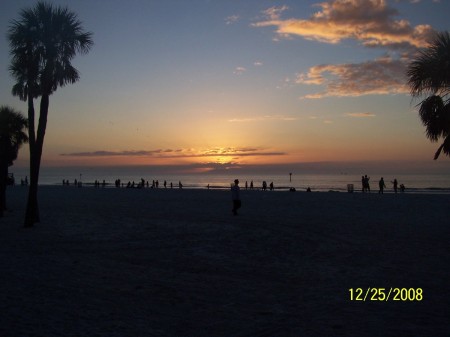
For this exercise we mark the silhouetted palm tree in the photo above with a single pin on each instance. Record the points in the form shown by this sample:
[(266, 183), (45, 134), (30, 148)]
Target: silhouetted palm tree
[(429, 74), (12, 136), (43, 43)]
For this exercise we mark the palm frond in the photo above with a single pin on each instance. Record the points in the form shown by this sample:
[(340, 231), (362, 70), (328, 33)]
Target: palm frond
[(434, 116), (43, 42), (12, 131), (429, 73), (445, 147)]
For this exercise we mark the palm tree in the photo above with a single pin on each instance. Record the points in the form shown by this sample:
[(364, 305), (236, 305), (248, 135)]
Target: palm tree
[(43, 43), (429, 75), (12, 136)]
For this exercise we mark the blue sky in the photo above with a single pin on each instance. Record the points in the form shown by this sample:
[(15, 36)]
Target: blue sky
[(235, 83)]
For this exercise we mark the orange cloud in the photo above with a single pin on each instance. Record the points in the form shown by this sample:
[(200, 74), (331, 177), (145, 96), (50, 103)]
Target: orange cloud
[(263, 118), (381, 76), (369, 21), (360, 114), (185, 153)]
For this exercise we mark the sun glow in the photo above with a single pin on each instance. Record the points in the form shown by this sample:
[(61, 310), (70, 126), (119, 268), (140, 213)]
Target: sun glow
[(221, 160)]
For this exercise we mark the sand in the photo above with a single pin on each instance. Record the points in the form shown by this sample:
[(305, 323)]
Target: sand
[(129, 262)]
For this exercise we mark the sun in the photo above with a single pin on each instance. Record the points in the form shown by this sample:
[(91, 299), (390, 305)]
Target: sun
[(221, 159)]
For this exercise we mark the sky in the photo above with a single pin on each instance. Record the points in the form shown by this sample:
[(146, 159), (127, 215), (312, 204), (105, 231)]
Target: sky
[(214, 84)]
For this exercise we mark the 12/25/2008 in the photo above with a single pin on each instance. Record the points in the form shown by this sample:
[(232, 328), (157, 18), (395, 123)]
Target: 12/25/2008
[(386, 294)]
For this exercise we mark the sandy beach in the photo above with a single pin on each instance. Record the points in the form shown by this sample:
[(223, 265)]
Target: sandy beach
[(146, 262)]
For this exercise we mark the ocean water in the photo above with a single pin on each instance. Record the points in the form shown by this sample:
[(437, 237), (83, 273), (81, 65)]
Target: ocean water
[(417, 183)]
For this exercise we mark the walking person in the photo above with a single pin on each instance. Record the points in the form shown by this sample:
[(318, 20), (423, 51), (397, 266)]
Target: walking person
[(395, 182), (236, 197), (366, 183), (381, 185)]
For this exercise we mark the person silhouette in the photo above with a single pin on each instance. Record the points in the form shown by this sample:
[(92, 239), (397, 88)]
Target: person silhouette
[(395, 182), (381, 185), (235, 196), (366, 183)]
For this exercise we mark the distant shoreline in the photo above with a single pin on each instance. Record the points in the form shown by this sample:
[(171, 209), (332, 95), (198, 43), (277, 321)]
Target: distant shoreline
[(318, 182), (279, 189)]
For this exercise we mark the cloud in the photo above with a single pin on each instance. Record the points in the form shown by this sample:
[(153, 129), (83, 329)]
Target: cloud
[(360, 114), (263, 118), (416, 1), (237, 152), (372, 22), (181, 153), (257, 63), (274, 13), (382, 76), (231, 19), (113, 153), (239, 70)]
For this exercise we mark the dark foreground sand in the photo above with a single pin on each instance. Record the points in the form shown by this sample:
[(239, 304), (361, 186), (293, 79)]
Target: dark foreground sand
[(120, 262)]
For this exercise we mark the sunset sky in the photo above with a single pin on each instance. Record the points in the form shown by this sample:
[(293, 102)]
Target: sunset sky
[(235, 82)]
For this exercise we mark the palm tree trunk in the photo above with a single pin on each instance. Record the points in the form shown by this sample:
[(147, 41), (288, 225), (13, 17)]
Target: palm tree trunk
[(32, 212), (3, 177), (36, 144)]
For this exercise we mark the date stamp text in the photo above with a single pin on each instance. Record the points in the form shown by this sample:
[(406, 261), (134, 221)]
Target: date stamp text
[(386, 294)]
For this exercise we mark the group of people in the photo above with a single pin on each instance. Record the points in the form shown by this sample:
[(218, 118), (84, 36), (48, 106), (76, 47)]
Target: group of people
[(143, 183), (98, 184), (263, 187), (381, 185), (236, 198), (236, 195), (11, 180), (66, 182), (118, 183)]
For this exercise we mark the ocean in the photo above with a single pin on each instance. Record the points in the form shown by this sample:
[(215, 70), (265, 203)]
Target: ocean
[(323, 182)]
